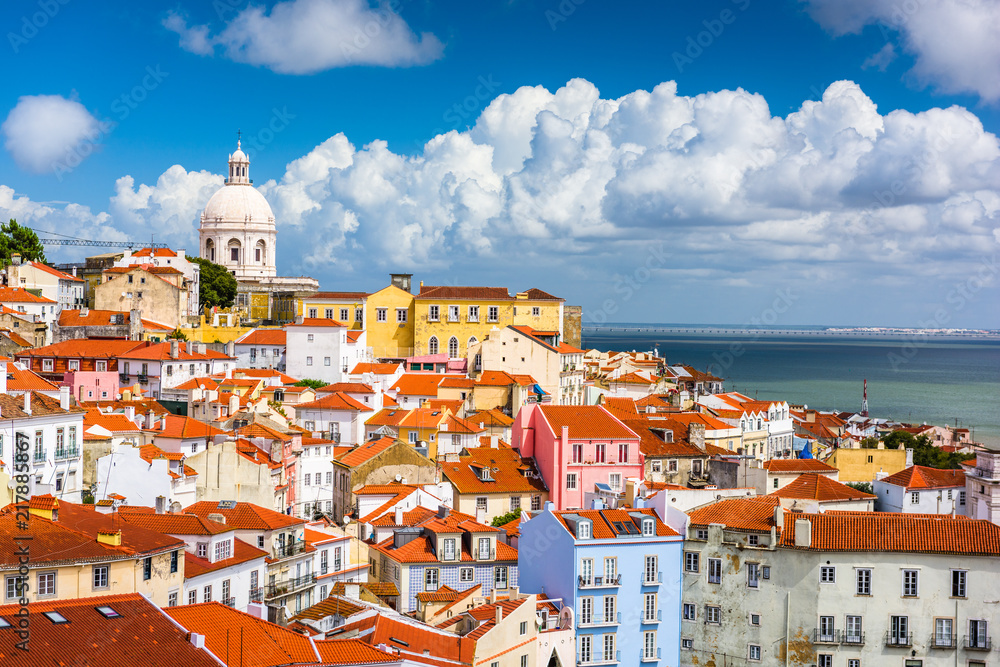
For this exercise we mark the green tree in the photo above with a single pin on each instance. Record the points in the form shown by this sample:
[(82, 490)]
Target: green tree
[(863, 487), (924, 451), (217, 286), (314, 384), (178, 334), (505, 518), (15, 238)]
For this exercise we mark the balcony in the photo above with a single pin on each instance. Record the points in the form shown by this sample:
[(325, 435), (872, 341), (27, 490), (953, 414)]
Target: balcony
[(68, 453), (852, 638), (143, 379), (601, 619), (229, 602), (898, 639), (600, 582), (977, 643), (649, 581), (486, 555), (39, 456), (943, 640), (599, 659), (123, 378), (821, 636), (256, 595), (288, 550), (647, 656), (646, 619), (280, 589)]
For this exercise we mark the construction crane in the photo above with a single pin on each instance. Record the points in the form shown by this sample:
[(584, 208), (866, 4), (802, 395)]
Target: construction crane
[(102, 244)]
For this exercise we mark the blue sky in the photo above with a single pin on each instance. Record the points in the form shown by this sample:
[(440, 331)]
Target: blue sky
[(841, 156)]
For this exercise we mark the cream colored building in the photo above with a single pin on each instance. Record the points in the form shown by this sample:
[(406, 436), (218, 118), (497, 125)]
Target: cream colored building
[(160, 294)]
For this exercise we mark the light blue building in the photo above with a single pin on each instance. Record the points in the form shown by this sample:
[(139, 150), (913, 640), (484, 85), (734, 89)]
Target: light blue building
[(620, 572)]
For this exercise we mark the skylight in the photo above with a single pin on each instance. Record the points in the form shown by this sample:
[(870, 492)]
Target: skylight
[(107, 612), (55, 617), (4, 623)]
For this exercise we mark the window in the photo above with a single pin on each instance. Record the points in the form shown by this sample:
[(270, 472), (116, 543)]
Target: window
[(615, 481), (600, 451), (381, 314), (648, 529), (943, 631), (449, 548), (755, 619), (401, 315), (672, 465), (753, 540), (753, 575), (313, 313), (15, 587), (100, 576), (577, 453), (656, 465), (754, 652), (480, 503), (431, 579), (978, 636), (824, 660), (827, 575), (223, 550), (46, 584), (715, 570), (493, 313), (915, 498), (359, 314), (853, 634), (466, 574), (536, 311), (326, 361), (610, 606), (958, 583), (515, 503), (651, 571), (898, 635), (586, 611), (863, 579), (701, 534), (961, 497), (713, 614), (309, 361), (691, 561), (452, 347), (649, 607), (344, 314), (583, 530), (308, 477), (649, 645), (206, 594), (202, 550), (775, 482), (571, 481), (687, 644), (433, 313), (453, 314), (853, 662), (826, 629), (174, 558), (193, 596), (172, 599), (585, 649), (234, 255), (473, 313), (689, 612), (910, 583), (622, 453), (536, 501), (225, 590), (147, 568)]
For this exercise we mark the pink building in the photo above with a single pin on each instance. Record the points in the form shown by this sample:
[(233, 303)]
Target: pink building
[(91, 385), (577, 448)]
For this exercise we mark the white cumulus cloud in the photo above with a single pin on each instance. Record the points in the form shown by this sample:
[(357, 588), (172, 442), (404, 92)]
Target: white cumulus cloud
[(954, 42), (308, 36), (44, 133)]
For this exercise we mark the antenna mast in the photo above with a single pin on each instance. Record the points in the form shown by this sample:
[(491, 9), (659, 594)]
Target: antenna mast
[(864, 400)]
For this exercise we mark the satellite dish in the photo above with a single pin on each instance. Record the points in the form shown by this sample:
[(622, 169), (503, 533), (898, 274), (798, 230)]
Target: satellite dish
[(399, 478), (347, 519)]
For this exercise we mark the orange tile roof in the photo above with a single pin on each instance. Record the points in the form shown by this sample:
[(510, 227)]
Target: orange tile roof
[(115, 422), (651, 444), (233, 633), (151, 252), (443, 594), (316, 322), (632, 378), (810, 486), (183, 427), (366, 452), (586, 422), (495, 379), (512, 527), (490, 418), (54, 272), (14, 337), (175, 524), (346, 387), (141, 634), (418, 384), (12, 407), (797, 465), (441, 404), (457, 382), (401, 495), (335, 401), (246, 516), (535, 294), (891, 531), (710, 422), (265, 373), (376, 368), (384, 489), (377, 588), (84, 348), (414, 517), (21, 380), (161, 352), (334, 604), (486, 614), (463, 292), (922, 477), (508, 472), (387, 417), (413, 640), (603, 522), (258, 430), (21, 295), (750, 514), (620, 407), (242, 553), (263, 337)]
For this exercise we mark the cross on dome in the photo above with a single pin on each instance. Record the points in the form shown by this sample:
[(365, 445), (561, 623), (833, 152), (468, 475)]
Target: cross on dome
[(239, 165)]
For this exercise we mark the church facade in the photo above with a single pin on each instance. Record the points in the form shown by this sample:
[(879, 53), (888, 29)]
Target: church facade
[(238, 232)]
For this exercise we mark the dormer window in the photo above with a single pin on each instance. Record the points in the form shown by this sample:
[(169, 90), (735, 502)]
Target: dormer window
[(449, 549), (647, 528), (583, 530)]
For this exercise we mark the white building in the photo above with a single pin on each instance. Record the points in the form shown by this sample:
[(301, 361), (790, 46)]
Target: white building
[(314, 478), (922, 490), (165, 257), (36, 308), (63, 288), (765, 586), (982, 485), (163, 366), (146, 476), (316, 349), (49, 432), (261, 348), (337, 557), (520, 350)]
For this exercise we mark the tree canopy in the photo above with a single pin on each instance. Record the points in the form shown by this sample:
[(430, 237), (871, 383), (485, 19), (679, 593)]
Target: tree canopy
[(312, 384), (15, 238), (217, 287), (924, 451), (505, 518)]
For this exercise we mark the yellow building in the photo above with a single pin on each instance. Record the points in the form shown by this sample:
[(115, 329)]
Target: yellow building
[(389, 316), (451, 319), (861, 465), (348, 308), (76, 552)]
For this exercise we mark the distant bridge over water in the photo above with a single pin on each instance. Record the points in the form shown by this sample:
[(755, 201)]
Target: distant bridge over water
[(668, 330)]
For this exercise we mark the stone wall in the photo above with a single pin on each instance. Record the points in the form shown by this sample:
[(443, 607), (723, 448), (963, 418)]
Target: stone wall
[(572, 325)]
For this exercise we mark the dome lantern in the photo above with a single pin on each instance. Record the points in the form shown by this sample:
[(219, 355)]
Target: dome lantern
[(239, 167)]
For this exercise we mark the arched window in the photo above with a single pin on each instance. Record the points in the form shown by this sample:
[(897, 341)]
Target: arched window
[(234, 251), (210, 250), (453, 347), (260, 252), (432, 345), (472, 341)]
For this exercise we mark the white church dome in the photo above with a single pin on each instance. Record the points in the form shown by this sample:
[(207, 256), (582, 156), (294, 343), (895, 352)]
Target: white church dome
[(237, 202)]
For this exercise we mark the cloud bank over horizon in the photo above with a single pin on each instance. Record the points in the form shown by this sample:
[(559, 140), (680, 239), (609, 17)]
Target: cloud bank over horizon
[(568, 191)]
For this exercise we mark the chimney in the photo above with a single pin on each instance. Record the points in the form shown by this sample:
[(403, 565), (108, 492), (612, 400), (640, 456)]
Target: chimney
[(803, 533), (15, 258), (597, 504), (130, 412), (198, 641), (163, 423), (64, 397), (499, 616), (112, 538), (84, 312), (696, 435), (27, 402), (494, 441), (175, 346), (398, 518), (443, 511), (352, 590)]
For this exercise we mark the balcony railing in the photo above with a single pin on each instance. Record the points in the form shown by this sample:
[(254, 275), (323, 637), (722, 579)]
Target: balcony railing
[(256, 595), (647, 656), (599, 659), (288, 550), (977, 643), (943, 640), (229, 602), (601, 619), (143, 379), (123, 378), (821, 636), (39, 456), (656, 618), (288, 586), (68, 453), (896, 639), (600, 582), (648, 581), (487, 555), (852, 638)]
